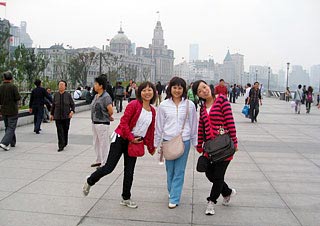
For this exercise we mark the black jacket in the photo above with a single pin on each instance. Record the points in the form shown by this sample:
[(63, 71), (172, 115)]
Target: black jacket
[(62, 105), (9, 97), (38, 96)]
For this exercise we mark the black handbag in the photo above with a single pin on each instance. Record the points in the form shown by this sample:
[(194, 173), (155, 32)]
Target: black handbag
[(202, 164), (220, 148)]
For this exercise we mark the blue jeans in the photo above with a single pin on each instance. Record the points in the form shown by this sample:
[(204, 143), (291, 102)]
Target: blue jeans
[(38, 116), (175, 174), (10, 123)]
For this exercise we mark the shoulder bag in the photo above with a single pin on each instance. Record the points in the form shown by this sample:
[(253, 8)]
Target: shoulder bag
[(174, 148), (221, 147)]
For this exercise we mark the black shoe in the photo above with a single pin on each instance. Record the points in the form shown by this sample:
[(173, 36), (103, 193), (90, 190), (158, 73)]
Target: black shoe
[(12, 145), (37, 132), (60, 149), (255, 120)]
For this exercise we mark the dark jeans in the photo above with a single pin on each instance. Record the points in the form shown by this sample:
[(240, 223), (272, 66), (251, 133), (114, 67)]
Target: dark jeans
[(232, 97), (254, 110), (62, 131), (10, 123), (215, 174), (308, 106), (117, 148), (38, 116), (118, 103)]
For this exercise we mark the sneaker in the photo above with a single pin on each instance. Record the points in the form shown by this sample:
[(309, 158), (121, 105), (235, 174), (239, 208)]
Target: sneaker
[(86, 188), (4, 147), (172, 206), (129, 203), (226, 199), (210, 208)]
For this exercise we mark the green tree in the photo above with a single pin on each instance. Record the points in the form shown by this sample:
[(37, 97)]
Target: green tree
[(79, 67), (4, 52)]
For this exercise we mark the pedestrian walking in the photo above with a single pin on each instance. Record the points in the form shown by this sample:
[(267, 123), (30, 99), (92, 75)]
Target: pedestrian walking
[(47, 106), (192, 97), (136, 127), (287, 94), (309, 99), (215, 113), (159, 89), (246, 95), (253, 100), (298, 99), (304, 92), (132, 91), (62, 111), (9, 97), (101, 115), (119, 93), (36, 104), (221, 88), (171, 115)]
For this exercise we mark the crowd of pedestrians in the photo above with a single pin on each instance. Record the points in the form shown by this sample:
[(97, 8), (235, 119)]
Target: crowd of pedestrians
[(149, 121)]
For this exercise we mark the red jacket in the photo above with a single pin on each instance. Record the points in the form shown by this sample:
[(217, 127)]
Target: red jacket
[(221, 90), (129, 120)]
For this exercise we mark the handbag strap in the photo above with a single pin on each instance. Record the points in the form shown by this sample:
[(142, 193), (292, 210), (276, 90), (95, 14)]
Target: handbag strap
[(185, 119)]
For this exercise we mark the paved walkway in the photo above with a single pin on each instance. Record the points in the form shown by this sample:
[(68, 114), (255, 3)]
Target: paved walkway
[(276, 173)]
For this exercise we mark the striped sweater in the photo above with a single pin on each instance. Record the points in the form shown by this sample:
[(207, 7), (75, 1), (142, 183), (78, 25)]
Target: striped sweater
[(220, 115)]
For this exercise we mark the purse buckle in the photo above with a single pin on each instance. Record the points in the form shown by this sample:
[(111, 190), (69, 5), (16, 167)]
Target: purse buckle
[(221, 130)]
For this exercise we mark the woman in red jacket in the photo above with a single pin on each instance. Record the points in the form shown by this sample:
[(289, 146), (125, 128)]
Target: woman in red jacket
[(215, 112), (136, 125)]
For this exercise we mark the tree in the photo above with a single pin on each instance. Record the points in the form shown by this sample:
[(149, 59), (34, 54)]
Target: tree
[(114, 66), (79, 67), (4, 52), (146, 72)]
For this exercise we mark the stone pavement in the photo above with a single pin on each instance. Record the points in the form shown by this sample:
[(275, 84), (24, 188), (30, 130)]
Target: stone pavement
[(276, 173)]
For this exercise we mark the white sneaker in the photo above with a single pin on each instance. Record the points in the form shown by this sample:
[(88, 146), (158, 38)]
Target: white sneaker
[(86, 188), (129, 203), (210, 208), (172, 206), (4, 147), (226, 199)]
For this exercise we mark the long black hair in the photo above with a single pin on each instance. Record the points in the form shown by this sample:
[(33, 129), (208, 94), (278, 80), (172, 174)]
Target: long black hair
[(177, 81), (195, 87)]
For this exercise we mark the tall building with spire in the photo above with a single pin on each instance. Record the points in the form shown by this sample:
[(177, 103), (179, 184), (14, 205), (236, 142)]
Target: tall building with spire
[(160, 54)]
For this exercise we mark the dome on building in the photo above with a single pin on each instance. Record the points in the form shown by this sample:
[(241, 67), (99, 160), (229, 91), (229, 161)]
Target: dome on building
[(120, 43), (120, 38)]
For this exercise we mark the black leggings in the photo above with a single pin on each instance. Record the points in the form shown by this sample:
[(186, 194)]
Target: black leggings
[(215, 174), (117, 148)]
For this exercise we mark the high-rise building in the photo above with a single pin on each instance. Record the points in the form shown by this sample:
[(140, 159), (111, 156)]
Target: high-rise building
[(4, 32), (298, 76), (159, 53), (193, 52), (238, 61)]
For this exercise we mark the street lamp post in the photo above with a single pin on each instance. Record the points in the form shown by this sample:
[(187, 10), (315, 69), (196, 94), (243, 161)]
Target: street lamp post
[(288, 64), (268, 81)]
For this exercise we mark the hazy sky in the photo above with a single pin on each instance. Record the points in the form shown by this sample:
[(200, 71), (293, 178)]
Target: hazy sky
[(267, 32)]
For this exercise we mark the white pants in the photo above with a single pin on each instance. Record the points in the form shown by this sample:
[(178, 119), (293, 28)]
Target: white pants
[(101, 142)]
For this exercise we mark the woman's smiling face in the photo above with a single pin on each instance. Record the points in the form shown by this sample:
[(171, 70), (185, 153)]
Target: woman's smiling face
[(204, 91)]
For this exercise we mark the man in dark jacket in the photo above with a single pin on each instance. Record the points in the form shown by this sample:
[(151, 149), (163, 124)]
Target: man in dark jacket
[(9, 97), (36, 105), (62, 111)]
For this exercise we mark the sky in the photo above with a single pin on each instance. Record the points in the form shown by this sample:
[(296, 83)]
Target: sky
[(266, 32)]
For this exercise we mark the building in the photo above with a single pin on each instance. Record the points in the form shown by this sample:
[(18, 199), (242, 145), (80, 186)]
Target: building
[(19, 36), (5, 33), (260, 74), (202, 69), (121, 44), (182, 70), (193, 52), (160, 54), (232, 69), (298, 76), (315, 76), (282, 79)]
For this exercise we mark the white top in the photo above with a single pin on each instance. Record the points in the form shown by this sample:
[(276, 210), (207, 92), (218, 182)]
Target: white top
[(246, 95), (143, 123), (76, 94), (169, 122), (133, 93)]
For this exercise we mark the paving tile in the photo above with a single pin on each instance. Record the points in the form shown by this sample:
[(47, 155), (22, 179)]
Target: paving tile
[(18, 218), (48, 204), (111, 209)]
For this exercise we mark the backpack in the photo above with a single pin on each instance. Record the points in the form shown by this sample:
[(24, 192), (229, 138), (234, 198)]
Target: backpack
[(119, 91), (309, 97)]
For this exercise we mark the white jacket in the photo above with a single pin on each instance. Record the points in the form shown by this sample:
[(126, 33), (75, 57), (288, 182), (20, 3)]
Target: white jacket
[(169, 122)]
